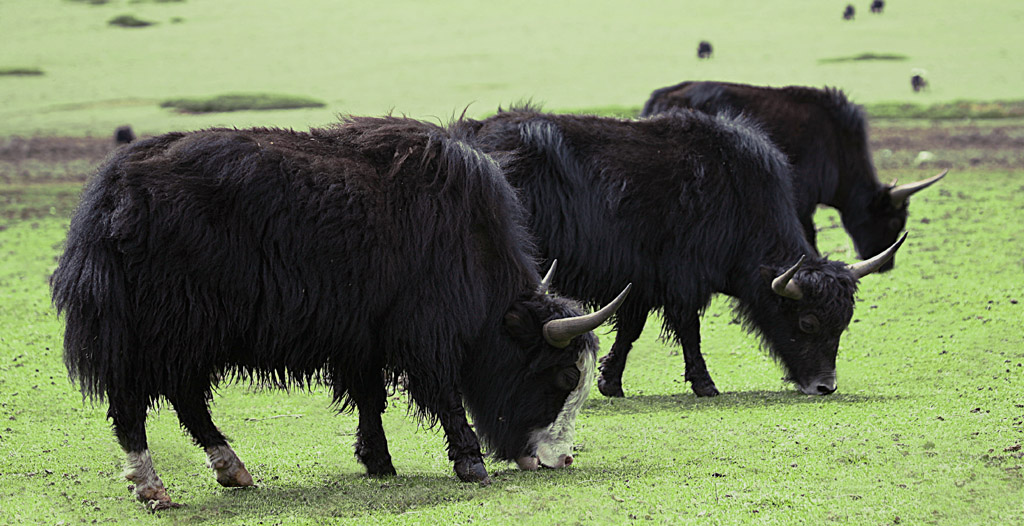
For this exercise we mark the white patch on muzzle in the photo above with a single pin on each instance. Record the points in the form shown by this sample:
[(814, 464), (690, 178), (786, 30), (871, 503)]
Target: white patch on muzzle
[(553, 444)]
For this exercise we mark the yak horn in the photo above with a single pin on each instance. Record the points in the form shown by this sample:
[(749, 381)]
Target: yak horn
[(783, 286), (868, 266), (899, 194), (560, 332), (545, 283)]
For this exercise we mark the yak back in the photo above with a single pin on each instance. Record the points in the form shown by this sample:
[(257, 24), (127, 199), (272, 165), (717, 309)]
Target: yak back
[(822, 133), (289, 257), (680, 204)]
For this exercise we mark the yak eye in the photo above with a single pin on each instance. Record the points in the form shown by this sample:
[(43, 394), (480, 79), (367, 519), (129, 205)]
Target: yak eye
[(567, 379), (809, 324)]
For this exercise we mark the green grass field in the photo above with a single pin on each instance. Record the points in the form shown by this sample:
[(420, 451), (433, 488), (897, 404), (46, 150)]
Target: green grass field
[(433, 59), (927, 426)]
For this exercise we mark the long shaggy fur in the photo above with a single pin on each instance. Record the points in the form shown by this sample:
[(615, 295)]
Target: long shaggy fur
[(347, 255), (824, 135), (683, 205)]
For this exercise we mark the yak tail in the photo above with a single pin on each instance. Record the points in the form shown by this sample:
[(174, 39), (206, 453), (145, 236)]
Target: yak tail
[(89, 290)]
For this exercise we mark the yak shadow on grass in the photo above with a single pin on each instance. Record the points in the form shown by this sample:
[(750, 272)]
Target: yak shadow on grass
[(341, 496), (356, 495), (689, 402)]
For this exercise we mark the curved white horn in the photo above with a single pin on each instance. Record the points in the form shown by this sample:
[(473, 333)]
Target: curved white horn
[(863, 268), (783, 286), (560, 332), (899, 194)]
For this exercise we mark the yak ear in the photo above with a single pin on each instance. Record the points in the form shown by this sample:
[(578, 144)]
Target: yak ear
[(515, 321), (767, 275)]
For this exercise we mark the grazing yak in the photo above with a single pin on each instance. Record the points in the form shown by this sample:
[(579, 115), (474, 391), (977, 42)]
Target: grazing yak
[(849, 12), (918, 82), (877, 6), (704, 49), (824, 135), (124, 135), (347, 256), (683, 205)]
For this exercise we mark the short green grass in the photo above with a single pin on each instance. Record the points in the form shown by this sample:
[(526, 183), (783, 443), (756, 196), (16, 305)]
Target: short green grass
[(431, 60), (926, 427), (928, 422)]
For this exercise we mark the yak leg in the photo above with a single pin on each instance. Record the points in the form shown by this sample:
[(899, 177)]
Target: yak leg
[(371, 445), (194, 416), (628, 327), (807, 222), (128, 414), (463, 445), (687, 330)]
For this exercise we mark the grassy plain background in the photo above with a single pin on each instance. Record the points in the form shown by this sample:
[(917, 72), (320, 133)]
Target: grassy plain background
[(432, 59), (928, 421)]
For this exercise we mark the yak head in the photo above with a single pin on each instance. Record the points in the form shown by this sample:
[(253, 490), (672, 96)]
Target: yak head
[(527, 411), (811, 306), (875, 224)]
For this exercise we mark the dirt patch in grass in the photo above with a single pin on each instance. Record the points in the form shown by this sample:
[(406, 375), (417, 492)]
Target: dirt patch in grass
[(241, 102), (20, 72), (863, 57), (896, 145), (129, 21)]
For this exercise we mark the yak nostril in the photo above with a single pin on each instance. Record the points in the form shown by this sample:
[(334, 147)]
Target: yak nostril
[(826, 389)]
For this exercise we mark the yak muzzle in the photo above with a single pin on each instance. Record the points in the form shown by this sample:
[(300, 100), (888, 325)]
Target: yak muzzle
[(822, 385)]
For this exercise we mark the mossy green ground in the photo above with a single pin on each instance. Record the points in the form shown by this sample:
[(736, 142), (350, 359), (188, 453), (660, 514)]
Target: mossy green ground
[(433, 59), (926, 427), (927, 424)]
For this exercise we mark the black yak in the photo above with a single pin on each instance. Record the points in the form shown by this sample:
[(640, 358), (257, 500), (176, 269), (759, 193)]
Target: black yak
[(824, 136), (704, 49), (349, 256), (683, 205), (123, 135), (877, 6), (918, 82), (849, 12)]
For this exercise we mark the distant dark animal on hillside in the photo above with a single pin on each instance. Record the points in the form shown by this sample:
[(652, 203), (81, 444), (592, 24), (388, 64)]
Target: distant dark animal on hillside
[(918, 82), (347, 256), (849, 12), (704, 49), (877, 6), (683, 205), (824, 136), (124, 135)]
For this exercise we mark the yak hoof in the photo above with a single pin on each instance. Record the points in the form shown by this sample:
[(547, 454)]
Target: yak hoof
[(155, 497), (231, 472), (472, 470), (157, 505), (704, 389), (610, 388), (234, 477)]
